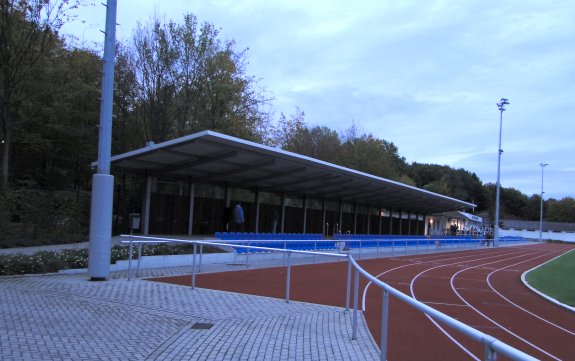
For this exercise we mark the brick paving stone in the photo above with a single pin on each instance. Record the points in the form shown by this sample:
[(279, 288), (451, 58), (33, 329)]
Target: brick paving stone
[(67, 317)]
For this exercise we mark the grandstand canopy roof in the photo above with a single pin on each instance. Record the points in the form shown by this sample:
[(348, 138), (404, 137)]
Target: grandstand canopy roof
[(210, 157)]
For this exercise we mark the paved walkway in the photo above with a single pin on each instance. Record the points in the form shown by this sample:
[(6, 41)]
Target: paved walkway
[(67, 317)]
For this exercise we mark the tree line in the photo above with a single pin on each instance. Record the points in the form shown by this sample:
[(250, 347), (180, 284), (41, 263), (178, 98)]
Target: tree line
[(171, 79)]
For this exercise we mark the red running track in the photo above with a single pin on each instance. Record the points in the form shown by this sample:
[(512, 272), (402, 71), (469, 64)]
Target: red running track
[(481, 288)]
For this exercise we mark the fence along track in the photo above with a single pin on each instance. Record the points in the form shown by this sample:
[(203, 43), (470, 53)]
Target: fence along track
[(492, 346)]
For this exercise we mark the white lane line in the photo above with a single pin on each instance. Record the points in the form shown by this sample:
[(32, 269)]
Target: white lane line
[(550, 299), (520, 307), (445, 304), (463, 348), (495, 322), (431, 259)]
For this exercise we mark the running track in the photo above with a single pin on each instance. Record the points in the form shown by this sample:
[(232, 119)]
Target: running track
[(481, 288)]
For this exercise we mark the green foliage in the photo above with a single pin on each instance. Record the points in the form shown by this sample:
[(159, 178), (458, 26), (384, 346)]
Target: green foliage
[(561, 211), (48, 262), (56, 137), (175, 79), (456, 183), (556, 278), (35, 217), (28, 31)]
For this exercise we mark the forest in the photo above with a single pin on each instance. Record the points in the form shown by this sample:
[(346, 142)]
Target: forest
[(172, 78)]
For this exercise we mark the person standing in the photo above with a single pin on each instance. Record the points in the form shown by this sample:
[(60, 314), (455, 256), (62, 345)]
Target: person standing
[(239, 217)]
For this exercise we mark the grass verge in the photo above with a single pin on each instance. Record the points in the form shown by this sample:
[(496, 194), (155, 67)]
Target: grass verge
[(555, 279)]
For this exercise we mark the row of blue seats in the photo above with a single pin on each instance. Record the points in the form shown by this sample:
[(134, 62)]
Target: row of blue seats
[(234, 236), (293, 245), (344, 236), (512, 239)]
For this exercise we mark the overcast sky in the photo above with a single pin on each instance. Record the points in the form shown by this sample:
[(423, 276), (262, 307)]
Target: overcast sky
[(425, 75)]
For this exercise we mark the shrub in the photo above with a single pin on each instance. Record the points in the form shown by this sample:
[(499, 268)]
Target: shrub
[(30, 217), (49, 261)]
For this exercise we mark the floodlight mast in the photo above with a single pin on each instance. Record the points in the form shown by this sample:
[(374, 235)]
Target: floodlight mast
[(102, 181), (543, 165), (501, 106)]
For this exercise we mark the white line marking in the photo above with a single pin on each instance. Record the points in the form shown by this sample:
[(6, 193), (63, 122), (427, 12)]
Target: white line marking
[(521, 308), (425, 258), (495, 322), (463, 348)]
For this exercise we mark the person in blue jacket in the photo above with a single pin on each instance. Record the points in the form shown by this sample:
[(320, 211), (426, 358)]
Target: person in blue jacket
[(239, 217)]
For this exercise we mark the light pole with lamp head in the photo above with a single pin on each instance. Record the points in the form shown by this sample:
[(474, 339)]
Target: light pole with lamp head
[(543, 165), (501, 106)]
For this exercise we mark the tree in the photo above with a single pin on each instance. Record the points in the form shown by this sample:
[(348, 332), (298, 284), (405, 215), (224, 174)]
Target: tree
[(561, 211), (369, 154), (456, 183), (27, 28), (56, 137), (181, 79)]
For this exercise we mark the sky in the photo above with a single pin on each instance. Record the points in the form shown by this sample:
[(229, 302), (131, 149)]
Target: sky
[(425, 75)]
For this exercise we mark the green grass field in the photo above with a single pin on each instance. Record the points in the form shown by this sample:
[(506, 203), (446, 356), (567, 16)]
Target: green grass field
[(556, 279)]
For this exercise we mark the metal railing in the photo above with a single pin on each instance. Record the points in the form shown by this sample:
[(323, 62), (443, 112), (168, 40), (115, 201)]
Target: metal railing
[(492, 346)]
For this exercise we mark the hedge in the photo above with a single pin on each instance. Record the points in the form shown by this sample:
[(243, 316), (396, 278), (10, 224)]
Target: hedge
[(49, 261)]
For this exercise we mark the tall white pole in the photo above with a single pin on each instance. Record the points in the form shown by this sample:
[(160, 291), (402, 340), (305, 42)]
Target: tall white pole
[(501, 106), (102, 181), (543, 165)]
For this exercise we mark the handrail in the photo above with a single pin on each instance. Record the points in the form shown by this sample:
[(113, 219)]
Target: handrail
[(485, 339), (491, 345)]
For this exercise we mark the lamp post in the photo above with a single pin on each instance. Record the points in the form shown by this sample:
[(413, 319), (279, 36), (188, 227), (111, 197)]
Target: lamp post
[(501, 106), (103, 182), (543, 165)]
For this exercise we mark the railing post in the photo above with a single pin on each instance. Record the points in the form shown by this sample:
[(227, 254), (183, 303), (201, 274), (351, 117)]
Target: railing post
[(201, 252), (490, 354), (194, 268), (288, 276), (248, 255), (348, 289), (384, 323), (130, 258), (139, 259), (355, 303)]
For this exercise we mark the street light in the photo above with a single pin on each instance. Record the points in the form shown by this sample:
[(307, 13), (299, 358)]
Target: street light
[(543, 165), (501, 106)]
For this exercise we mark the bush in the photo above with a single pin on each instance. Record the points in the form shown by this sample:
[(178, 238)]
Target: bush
[(30, 217), (48, 262)]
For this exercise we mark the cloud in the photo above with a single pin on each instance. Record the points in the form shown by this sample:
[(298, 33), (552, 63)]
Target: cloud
[(423, 75)]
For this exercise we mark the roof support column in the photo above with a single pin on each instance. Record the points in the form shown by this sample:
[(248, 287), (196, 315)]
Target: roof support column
[(355, 219), (283, 200), (228, 195), (323, 227), (192, 199), (380, 219), (368, 219), (304, 214), (409, 223), (257, 210), (401, 223), (147, 200), (340, 225), (417, 224), (390, 221)]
